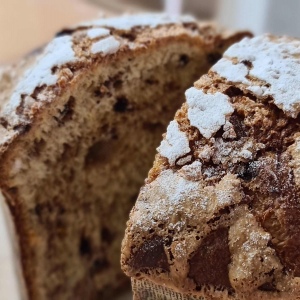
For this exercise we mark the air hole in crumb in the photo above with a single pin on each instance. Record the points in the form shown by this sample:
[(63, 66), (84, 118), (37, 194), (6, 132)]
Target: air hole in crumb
[(233, 91), (151, 81), (85, 247), (38, 210), (183, 60), (129, 36), (100, 152), (212, 58), (248, 171), (121, 105)]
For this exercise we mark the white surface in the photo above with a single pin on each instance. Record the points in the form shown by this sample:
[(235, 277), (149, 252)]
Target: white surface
[(108, 45), (173, 7), (126, 22), (97, 33), (207, 112), (275, 62), (175, 144), (10, 285), (261, 16)]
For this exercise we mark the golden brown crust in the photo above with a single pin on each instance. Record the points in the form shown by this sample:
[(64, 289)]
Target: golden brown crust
[(220, 206)]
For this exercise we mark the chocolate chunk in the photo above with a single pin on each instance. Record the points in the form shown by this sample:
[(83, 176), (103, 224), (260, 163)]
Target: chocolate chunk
[(209, 265), (151, 255), (281, 217), (85, 247), (238, 126), (121, 105), (183, 60)]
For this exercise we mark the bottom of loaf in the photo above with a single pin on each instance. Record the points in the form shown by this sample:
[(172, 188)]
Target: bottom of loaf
[(146, 290)]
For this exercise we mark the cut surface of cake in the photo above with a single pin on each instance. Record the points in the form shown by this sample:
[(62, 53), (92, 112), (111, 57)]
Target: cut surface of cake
[(219, 215), (79, 124)]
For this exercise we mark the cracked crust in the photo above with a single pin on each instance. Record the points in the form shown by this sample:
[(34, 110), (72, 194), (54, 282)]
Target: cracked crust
[(228, 217)]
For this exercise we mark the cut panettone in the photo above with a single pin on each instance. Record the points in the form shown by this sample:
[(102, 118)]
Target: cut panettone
[(78, 132), (219, 215)]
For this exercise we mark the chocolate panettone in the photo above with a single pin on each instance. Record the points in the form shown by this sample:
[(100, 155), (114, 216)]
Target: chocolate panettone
[(219, 215), (79, 124)]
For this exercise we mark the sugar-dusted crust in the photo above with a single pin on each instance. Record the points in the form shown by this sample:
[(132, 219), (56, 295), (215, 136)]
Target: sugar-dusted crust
[(219, 215), (63, 140), (80, 48)]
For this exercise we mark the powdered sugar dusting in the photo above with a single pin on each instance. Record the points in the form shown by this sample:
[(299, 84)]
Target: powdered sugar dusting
[(57, 53), (172, 194), (107, 45), (127, 22), (274, 61), (175, 144), (97, 33), (207, 112)]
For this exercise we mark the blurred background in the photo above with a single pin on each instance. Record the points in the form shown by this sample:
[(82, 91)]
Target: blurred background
[(28, 24)]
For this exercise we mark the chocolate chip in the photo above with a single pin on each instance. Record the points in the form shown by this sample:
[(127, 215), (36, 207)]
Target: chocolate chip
[(150, 255), (107, 236), (268, 287), (151, 81), (247, 63), (85, 248), (239, 126), (4, 122), (209, 264), (129, 36), (121, 105), (183, 60)]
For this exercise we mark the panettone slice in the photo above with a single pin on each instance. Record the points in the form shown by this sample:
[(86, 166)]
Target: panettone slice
[(78, 132), (219, 215)]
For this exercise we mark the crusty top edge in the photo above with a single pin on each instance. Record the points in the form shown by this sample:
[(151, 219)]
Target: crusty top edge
[(268, 66), (73, 50)]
